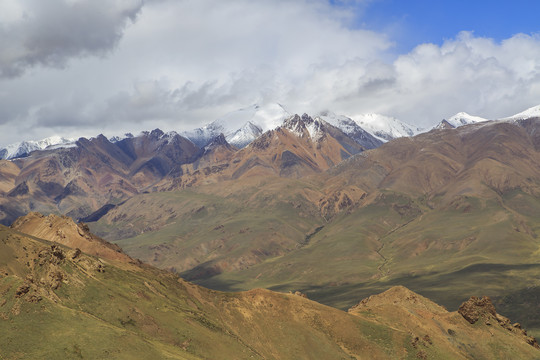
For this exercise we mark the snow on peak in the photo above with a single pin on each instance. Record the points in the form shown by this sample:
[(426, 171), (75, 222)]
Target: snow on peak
[(305, 124), (241, 126), (24, 148), (243, 136), (351, 128), (266, 117), (314, 128), (345, 124), (333, 118), (460, 119), (527, 114), (385, 127), (215, 143), (115, 139)]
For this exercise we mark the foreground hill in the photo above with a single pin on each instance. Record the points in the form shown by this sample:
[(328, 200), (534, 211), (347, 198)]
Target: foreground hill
[(448, 213), (62, 230), (57, 302)]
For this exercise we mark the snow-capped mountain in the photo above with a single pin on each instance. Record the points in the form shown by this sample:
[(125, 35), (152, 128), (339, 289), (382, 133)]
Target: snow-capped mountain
[(305, 124), (460, 119), (115, 139), (527, 114), (385, 127), (351, 128), (24, 148), (242, 126), (243, 136)]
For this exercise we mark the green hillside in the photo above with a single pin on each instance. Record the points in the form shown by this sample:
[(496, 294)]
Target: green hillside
[(57, 302)]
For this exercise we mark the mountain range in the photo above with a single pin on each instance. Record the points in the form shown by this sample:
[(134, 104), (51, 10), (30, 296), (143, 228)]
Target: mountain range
[(244, 125), (24, 148), (316, 205), (80, 179)]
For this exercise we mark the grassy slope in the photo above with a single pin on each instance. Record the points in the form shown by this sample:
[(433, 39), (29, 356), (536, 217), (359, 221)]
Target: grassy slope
[(194, 228), (447, 255), (129, 311), (472, 246), (132, 312)]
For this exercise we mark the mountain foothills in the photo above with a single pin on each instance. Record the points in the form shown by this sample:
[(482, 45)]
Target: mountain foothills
[(60, 302), (334, 208)]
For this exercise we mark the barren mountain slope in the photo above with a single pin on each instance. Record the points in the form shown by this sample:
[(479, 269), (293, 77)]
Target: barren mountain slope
[(81, 179), (476, 159), (96, 173), (300, 147), (63, 230)]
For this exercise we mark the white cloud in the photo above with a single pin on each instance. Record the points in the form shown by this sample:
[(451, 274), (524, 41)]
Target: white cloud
[(470, 74), (184, 63)]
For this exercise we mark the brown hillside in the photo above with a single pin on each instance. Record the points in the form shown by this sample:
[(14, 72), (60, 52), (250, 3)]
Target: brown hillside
[(432, 326), (288, 151), (477, 159), (8, 174), (63, 230), (81, 179)]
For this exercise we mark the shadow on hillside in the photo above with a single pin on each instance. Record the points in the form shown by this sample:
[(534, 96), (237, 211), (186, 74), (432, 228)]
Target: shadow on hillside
[(512, 296)]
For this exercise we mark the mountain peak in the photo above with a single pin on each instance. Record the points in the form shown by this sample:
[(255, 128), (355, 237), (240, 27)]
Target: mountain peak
[(386, 127), (527, 114), (242, 126), (116, 138), (305, 125), (156, 133), (444, 124), (459, 119), (243, 136), (398, 295), (24, 148), (462, 118), (219, 140), (351, 128)]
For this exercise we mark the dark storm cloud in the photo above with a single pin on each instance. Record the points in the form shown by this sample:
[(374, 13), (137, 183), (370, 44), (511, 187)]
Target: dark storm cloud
[(49, 33)]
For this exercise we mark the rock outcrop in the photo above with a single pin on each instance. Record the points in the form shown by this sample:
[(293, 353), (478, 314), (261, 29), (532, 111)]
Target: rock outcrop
[(482, 309)]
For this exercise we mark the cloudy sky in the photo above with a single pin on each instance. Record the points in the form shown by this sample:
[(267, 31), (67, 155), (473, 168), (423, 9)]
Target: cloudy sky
[(84, 67)]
